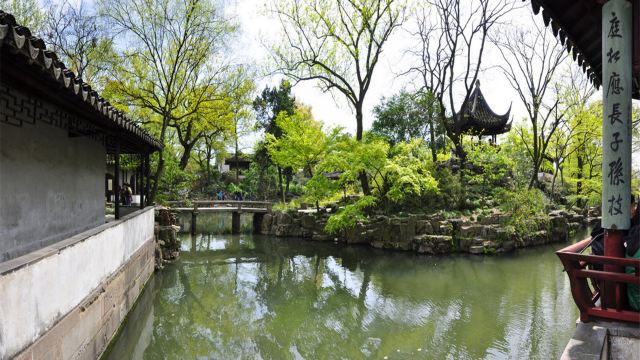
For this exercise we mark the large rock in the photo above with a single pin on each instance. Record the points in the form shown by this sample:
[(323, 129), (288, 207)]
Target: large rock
[(433, 244), (266, 224), (474, 230), (476, 250), (424, 227), (308, 221)]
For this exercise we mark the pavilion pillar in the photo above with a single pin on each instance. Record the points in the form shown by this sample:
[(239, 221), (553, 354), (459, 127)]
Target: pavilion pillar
[(147, 175), (616, 136), (141, 181), (116, 179)]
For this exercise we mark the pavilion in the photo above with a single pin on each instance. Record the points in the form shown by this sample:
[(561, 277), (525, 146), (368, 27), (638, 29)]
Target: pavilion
[(479, 119)]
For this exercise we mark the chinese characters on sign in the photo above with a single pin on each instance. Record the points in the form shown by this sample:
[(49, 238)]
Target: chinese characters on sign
[(616, 152)]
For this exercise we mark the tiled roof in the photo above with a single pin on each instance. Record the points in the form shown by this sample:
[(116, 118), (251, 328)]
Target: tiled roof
[(478, 117), (19, 41), (578, 25)]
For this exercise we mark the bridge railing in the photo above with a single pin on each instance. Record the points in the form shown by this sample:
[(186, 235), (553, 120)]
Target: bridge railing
[(581, 271), (239, 204)]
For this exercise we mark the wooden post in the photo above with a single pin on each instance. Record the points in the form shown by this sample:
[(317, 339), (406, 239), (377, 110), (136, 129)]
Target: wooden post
[(148, 180), (116, 180), (141, 182), (235, 222), (616, 135), (194, 220)]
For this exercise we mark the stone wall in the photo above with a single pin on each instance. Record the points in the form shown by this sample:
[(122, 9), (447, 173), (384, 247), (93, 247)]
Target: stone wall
[(51, 183), (66, 300), (429, 234)]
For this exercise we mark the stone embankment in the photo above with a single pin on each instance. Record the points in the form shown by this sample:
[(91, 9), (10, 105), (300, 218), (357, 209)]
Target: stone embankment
[(430, 234), (166, 237)]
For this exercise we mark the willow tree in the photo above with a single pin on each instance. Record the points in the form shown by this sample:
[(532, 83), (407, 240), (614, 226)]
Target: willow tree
[(168, 65), (336, 43)]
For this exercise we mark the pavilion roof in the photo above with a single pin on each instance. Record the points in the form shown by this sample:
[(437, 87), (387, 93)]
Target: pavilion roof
[(479, 119), (27, 64), (578, 25)]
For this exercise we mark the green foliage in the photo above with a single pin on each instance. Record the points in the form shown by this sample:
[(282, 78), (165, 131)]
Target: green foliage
[(302, 143), (27, 13), (270, 103), (487, 166), (406, 173), (405, 116), (174, 183), (261, 180), (515, 148), (347, 217), (525, 208)]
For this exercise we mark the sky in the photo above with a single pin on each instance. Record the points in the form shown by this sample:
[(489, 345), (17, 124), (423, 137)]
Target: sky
[(256, 26)]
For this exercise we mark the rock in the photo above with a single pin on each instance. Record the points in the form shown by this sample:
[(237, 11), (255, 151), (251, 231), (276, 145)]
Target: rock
[(283, 218), (574, 226), (321, 237), (489, 247), (471, 231), (433, 244), (424, 227), (476, 250), (308, 221), (509, 245)]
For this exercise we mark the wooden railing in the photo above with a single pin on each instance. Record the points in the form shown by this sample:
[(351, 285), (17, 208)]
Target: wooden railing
[(581, 271)]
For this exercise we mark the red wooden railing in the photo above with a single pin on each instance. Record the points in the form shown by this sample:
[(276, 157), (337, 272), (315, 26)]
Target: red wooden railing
[(579, 268)]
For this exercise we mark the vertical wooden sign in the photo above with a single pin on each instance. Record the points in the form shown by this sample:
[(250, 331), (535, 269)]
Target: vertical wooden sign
[(616, 122)]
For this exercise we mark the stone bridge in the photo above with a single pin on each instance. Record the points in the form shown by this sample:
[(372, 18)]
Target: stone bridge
[(235, 207)]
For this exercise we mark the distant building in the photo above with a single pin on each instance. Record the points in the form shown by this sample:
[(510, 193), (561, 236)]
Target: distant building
[(479, 119), (68, 279), (242, 162)]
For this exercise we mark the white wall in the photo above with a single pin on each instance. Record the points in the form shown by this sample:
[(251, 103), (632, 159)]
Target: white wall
[(37, 292), (51, 186)]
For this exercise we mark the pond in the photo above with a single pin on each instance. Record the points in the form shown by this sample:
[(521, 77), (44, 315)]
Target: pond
[(260, 297)]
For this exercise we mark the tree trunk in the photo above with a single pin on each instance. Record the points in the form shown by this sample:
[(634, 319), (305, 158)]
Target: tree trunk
[(186, 154), (433, 141), (579, 182), (280, 184), (364, 180), (160, 168), (237, 163)]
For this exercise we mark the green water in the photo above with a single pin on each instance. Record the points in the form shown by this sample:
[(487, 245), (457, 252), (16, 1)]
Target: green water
[(256, 297)]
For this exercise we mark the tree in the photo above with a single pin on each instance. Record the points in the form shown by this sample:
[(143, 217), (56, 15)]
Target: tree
[(531, 59), (453, 36), (239, 101), (270, 103), (405, 116), (27, 13), (168, 55), (303, 142), (338, 44), (79, 37), (576, 130)]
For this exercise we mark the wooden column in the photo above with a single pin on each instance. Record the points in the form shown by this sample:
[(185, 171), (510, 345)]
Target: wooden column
[(116, 179), (148, 179), (616, 135), (141, 182)]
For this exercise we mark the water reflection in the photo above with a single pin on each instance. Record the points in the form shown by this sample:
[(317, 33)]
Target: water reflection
[(261, 297)]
